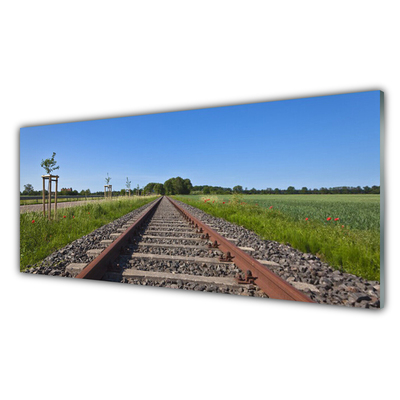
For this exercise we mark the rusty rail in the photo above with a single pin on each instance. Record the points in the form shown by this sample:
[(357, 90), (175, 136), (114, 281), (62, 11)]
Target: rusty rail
[(272, 285), (98, 267)]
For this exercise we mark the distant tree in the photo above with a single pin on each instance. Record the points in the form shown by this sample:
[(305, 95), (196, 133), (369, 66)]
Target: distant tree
[(177, 186), (238, 189), (123, 192), (290, 190), (159, 188), (324, 190), (188, 185), (28, 189), (367, 189), (169, 187), (49, 164), (277, 191), (149, 188), (375, 190), (84, 192), (206, 190), (304, 190)]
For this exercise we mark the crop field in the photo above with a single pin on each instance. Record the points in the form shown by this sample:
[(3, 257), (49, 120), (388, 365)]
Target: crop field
[(40, 237), (343, 230)]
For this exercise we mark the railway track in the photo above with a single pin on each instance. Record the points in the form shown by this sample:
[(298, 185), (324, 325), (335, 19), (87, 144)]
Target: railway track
[(167, 246)]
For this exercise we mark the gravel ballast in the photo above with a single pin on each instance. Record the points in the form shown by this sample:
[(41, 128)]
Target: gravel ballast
[(320, 281)]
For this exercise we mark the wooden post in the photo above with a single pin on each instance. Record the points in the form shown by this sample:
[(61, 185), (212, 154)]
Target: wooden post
[(44, 198), (55, 200), (49, 198)]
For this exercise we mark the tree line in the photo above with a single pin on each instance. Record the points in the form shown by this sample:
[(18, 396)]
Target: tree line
[(184, 186), (205, 189), (179, 185)]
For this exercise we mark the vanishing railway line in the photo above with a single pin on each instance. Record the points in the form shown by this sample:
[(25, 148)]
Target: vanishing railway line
[(167, 246)]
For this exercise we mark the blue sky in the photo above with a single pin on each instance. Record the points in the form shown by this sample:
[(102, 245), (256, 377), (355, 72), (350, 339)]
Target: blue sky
[(314, 142)]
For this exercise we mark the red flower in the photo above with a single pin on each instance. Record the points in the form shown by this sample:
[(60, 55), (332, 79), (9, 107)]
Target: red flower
[(213, 201), (328, 219), (306, 219), (270, 207), (73, 216), (64, 216), (336, 219), (223, 202), (342, 226), (33, 221)]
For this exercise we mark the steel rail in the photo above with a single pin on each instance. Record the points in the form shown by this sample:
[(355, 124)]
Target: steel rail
[(272, 285), (98, 267)]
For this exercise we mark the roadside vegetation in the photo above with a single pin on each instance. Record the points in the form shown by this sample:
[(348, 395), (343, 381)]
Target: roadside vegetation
[(40, 237), (343, 230)]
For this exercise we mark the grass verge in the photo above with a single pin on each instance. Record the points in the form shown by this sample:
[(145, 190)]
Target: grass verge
[(354, 251), (40, 237), (40, 201)]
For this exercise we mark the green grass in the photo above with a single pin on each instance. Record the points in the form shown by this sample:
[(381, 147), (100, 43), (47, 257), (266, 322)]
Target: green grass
[(42, 237), (351, 244)]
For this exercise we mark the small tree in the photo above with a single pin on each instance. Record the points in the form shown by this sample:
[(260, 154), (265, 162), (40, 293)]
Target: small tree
[(128, 185), (49, 164), (108, 188)]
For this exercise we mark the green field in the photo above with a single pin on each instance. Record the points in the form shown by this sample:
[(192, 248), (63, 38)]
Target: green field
[(40, 237), (351, 243)]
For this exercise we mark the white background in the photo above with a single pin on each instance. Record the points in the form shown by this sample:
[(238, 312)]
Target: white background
[(79, 60)]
